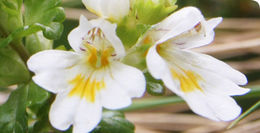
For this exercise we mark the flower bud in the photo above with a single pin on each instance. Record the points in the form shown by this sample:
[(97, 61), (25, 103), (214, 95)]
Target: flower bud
[(153, 11)]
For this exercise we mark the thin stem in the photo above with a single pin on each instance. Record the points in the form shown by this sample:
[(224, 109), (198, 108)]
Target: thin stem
[(21, 50), (250, 110), (153, 102), (166, 100)]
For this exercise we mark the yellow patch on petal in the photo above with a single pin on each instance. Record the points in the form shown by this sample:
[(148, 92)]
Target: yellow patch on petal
[(189, 81), (86, 88)]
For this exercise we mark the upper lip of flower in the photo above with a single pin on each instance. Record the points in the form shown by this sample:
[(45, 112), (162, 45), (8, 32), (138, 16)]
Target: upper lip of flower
[(113, 10)]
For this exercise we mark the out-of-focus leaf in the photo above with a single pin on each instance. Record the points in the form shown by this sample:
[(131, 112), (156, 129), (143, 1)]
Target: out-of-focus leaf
[(153, 86), (10, 16), (12, 68), (153, 11), (3, 89), (114, 122), (37, 96), (47, 13), (52, 32), (13, 118), (40, 15), (129, 31)]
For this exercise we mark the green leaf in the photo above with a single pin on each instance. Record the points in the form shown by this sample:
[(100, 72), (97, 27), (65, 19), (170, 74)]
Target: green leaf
[(13, 118), (153, 86), (42, 124), (114, 122), (53, 32), (37, 96), (3, 89), (49, 14), (12, 68), (37, 42), (45, 16), (10, 16)]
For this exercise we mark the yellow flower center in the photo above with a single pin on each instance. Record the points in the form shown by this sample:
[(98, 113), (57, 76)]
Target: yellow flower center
[(98, 49), (86, 88), (189, 81), (98, 59)]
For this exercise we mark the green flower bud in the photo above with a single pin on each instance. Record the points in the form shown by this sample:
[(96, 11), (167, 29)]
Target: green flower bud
[(152, 11)]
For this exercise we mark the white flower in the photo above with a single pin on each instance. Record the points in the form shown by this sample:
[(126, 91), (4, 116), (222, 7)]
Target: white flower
[(88, 79), (258, 2), (113, 10), (204, 82)]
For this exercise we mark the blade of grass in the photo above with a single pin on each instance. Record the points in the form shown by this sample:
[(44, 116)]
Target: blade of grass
[(250, 110)]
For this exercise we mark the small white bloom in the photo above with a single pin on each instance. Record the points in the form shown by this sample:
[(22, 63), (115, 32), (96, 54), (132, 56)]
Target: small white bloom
[(113, 10), (88, 79), (206, 83), (258, 2)]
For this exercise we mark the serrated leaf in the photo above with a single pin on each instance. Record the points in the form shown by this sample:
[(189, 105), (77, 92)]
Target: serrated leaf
[(48, 13), (12, 68), (10, 16), (53, 32), (13, 118), (114, 122), (153, 86), (45, 16)]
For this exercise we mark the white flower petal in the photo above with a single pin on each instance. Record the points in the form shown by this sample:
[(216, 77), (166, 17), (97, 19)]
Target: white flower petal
[(176, 24), (87, 117), (198, 37), (216, 84), (208, 63), (52, 80), (109, 9), (213, 106), (129, 79), (63, 110), (156, 64), (185, 29), (110, 33), (114, 97), (52, 59), (258, 2), (77, 35), (159, 69)]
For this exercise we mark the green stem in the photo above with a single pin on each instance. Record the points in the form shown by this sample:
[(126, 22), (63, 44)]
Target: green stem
[(21, 50), (160, 101), (153, 102), (250, 110)]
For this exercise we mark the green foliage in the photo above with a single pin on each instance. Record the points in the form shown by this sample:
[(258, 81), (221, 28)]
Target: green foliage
[(153, 86), (37, 96), (45, 16), (10, 16), (12, 68), (129, 31), (13, 118), (47, 13), (114, 122), (153, 11)]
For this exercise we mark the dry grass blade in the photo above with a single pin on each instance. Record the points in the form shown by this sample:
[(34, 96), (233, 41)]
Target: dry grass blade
[(172, 122)]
